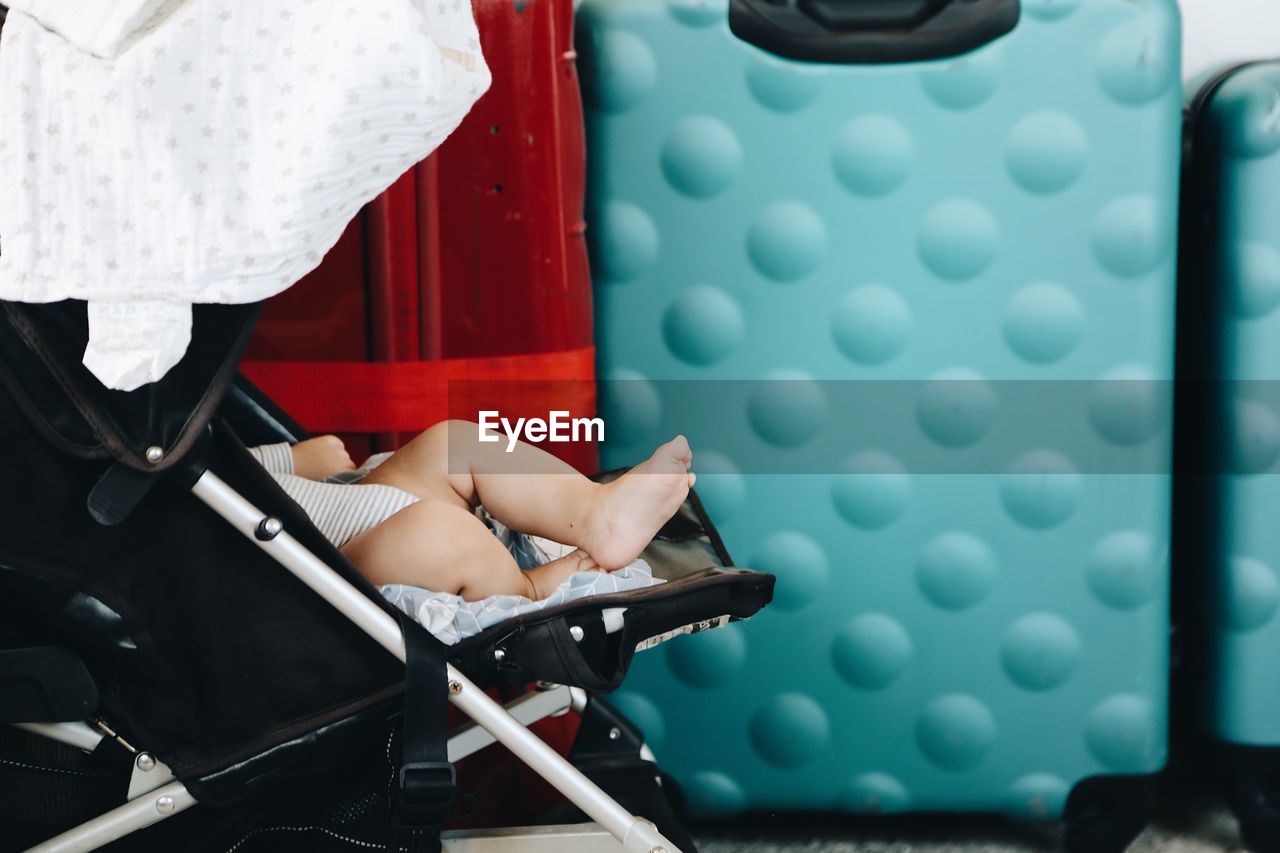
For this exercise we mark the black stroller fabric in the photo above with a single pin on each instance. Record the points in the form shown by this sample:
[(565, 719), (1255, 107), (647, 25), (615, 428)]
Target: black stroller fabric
[(346, 807), (40, 351), (48, 786), (204, 649)]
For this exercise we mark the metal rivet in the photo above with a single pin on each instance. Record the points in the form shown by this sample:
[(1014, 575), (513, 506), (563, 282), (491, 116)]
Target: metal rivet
[(146, 763), (455, 687), (269, 528), (577, 633), (615, 733), (499, 655), (154, 454), (164, 805)]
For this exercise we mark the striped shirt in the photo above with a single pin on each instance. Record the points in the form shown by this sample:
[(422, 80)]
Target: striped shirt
[(340, 510)]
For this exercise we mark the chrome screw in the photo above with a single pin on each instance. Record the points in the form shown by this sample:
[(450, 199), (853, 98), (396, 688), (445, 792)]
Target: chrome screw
[(269, 528), (455, 687), (165, 805), (146, 763), (615, 733)]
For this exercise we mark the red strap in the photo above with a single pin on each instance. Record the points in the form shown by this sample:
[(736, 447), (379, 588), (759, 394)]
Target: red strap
[(385, 397)]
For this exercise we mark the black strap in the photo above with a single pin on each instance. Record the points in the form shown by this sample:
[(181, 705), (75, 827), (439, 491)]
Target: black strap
[(427, 793), (871, 31), (118, 494), (111, 753)]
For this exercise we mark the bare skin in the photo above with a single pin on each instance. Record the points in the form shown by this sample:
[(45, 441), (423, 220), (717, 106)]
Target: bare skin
[(439, 544)]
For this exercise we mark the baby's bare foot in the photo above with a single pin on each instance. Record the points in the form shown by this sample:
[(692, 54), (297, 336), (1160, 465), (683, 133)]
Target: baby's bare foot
[(634, 507)]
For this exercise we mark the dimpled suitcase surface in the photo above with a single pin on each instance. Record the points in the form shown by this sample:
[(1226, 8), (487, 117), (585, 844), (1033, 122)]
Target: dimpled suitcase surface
[(984, 640), (1229, 334)]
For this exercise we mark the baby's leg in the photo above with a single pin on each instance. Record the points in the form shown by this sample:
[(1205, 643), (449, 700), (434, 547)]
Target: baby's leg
[(534, 492), (448, 462), (445, 548)]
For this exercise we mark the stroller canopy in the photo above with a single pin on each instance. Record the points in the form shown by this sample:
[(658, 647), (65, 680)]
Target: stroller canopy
[(150, 429)]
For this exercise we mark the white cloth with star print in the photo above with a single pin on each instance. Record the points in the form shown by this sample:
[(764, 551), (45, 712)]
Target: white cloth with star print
[(213, 154)]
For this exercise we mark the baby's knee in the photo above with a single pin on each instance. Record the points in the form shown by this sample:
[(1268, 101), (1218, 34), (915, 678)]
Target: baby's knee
[(454, 430), (455, 426)]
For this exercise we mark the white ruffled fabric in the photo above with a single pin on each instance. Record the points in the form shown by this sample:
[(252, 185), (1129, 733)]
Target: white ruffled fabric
[(212, 155), (453, 619), (103, 29)]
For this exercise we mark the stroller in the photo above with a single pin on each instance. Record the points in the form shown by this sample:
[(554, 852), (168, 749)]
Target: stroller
[(174, 631)]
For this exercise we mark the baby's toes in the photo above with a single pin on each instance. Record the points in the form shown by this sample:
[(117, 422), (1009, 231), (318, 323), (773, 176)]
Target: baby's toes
[(679, 449)]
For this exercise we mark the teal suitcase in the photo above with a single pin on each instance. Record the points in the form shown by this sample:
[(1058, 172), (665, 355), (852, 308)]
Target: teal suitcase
[(785, 210), (1229, 428)]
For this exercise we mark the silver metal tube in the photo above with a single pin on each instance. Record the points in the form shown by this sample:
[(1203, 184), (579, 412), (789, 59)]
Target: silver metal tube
[(117, 823), (577, 838), (78, 735), (580, 699), (636, 835)]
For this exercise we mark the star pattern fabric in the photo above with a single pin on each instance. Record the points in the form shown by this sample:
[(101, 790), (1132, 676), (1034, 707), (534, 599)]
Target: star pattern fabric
[(216, 158)]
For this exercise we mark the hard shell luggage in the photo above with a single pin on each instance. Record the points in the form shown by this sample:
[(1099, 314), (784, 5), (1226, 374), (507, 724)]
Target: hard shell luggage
[(471, 267), (810, 211), (1229, 421)]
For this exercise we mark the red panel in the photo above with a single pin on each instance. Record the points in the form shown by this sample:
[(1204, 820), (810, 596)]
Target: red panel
[(513, 261), (323, 315), (399, 395), (394, 254), (392, 235), (430, 334)]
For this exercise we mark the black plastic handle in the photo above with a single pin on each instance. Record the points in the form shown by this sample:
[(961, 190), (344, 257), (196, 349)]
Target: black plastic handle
[(871, 31)]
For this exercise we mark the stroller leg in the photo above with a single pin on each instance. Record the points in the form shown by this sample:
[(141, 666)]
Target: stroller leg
[(117, 823), (79, 735), (635, 834)]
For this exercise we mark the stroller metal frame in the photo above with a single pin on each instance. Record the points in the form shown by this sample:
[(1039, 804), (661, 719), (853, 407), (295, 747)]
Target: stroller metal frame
[(493, 722)]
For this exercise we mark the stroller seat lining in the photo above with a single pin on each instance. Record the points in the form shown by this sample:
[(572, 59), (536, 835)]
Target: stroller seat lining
[(451, 618)]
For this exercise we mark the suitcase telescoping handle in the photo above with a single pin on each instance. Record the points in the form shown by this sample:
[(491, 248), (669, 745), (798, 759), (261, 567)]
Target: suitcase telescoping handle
[(871, 31)]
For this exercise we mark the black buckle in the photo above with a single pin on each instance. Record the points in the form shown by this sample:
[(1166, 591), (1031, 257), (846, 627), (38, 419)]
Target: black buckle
[(427, 793)]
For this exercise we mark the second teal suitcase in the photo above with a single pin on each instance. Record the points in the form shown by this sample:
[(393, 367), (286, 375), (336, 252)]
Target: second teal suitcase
[(1229, 428), (799, 220)]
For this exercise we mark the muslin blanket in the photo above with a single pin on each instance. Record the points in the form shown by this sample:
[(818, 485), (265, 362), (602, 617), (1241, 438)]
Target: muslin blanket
[(159, 154)]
